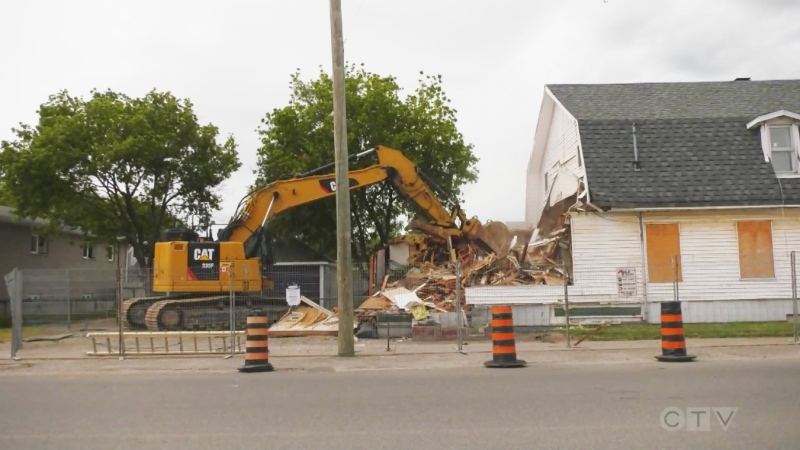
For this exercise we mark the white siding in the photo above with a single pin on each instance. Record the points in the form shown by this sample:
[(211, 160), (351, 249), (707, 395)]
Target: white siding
[(710, 257), (533, 185), (556, 145), (711, 290), (531, 315), (561, 149), (513, 295), (602, 245)]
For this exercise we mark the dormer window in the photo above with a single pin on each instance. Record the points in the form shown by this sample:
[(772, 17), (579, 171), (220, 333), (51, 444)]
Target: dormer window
[(780, 141), (783, 149)]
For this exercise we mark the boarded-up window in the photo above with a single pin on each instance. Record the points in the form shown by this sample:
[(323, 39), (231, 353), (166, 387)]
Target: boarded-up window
[(663, 244), (755, 249)]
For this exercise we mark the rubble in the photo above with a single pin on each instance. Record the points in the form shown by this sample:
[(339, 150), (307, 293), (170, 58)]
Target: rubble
[(307, 319), (433, 285), (540, 256), (535, 257)]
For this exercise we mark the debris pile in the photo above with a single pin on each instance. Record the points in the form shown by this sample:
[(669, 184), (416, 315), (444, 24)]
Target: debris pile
[(307, 319), (540, 256), (430, 287)]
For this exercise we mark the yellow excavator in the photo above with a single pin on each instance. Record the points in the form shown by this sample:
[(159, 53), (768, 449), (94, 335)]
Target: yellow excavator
[(194, 274)]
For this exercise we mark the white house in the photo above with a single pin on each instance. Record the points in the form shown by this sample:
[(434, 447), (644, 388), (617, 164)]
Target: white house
[(706, 174)]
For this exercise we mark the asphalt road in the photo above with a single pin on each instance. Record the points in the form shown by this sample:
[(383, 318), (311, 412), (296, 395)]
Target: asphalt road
[(610, 406)]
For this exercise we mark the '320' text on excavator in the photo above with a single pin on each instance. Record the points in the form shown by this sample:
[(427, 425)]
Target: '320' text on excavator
[(192, 290)]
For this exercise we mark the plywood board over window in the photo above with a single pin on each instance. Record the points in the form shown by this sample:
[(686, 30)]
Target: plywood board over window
[(663, 244), (755, 249)]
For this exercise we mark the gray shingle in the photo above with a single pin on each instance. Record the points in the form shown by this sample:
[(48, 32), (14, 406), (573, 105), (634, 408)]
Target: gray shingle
[(678, 100), (684, 163), (694, 147)]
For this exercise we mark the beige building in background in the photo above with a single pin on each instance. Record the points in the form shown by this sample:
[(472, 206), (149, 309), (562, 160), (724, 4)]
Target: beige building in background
[(21, 247)]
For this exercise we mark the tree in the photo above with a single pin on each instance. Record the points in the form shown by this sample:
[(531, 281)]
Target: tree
[(4, 200), (299, 137), (117, 166)]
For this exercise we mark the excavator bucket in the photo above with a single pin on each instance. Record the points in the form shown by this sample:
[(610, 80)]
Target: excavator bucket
[(493, 237)]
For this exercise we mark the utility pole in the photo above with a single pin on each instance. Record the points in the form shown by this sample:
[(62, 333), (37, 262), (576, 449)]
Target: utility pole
[(344, 266)]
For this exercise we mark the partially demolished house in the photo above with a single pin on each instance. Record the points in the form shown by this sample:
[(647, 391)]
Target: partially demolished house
[(658, 190), (426, 287)]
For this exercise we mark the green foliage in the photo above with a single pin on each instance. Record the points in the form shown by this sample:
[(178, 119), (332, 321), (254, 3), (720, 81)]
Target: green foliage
[(117, 166), (5, 199), (299, 137)]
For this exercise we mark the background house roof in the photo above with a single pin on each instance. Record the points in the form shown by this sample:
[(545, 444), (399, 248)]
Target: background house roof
[(7, 216), (693, 145)]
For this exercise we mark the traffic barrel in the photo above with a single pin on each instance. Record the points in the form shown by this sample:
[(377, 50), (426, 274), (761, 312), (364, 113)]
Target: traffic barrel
[(504, 349), (673, 341), (256, 355)]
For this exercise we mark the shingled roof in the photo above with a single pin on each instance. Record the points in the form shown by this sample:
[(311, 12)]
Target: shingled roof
[(693, 145)]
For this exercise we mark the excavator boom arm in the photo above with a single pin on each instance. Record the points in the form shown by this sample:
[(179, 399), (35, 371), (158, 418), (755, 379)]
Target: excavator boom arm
[(281, 195), (412, 184), (407, 180)]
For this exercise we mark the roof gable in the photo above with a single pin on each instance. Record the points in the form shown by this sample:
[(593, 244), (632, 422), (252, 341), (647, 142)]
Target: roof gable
[(773, 115)]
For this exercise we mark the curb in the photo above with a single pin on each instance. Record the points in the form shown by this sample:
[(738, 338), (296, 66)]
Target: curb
[(393, 353)]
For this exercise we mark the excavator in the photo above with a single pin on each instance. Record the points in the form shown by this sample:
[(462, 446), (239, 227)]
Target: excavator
[(193, 274)]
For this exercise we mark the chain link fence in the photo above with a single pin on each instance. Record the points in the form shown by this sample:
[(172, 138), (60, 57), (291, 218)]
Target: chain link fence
[(414, 307), (613, 301), (66, 300)]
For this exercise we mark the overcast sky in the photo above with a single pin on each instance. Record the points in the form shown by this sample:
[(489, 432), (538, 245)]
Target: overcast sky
[(233, 59)]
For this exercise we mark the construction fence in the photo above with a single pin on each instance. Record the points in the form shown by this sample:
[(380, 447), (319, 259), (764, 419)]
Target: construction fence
[(419, 305)]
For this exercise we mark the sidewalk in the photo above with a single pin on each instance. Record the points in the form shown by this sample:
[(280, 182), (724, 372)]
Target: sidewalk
[(404, 355)]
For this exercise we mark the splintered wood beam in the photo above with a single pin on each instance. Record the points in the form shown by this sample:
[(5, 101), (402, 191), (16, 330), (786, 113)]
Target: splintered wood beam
[(603, 325), (385, 280)]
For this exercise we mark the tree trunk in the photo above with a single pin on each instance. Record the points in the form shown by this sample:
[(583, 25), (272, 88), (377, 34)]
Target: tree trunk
[(387, 224)]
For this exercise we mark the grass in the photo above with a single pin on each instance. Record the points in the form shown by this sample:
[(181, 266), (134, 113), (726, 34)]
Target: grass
[(637, 331)]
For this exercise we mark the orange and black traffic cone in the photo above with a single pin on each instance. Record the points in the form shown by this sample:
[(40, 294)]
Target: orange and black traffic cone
[(504, 350), (673, 341), (256, 355)]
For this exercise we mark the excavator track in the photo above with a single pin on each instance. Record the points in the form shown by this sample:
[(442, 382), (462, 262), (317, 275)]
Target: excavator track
[(134, 310), (194, 314)]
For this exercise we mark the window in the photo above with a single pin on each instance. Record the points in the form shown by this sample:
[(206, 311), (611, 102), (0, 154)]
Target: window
[(111, 253), (88, 251), (780, 141), (755, 249), (38, 245), (783, 150), (663, 246)]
